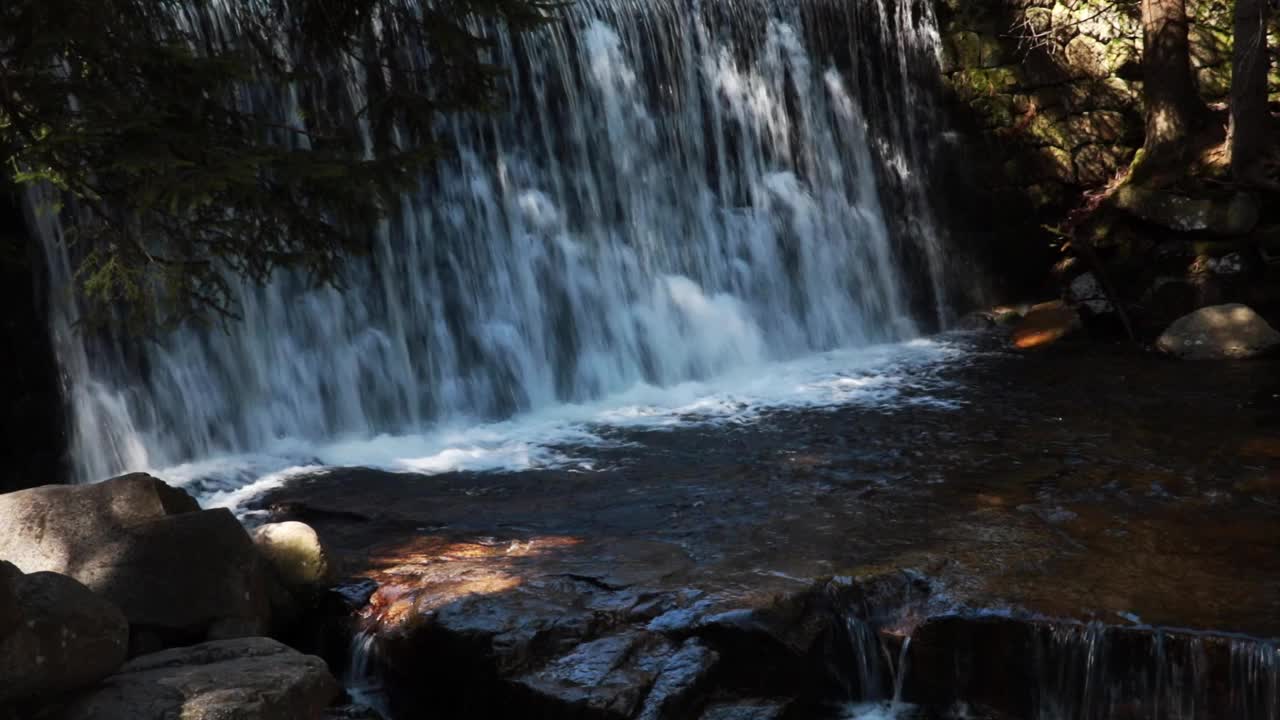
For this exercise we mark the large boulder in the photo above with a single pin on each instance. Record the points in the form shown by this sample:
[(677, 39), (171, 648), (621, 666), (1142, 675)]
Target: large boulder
[(1219, 332), (180, 574), (55, 635), (1234, 214), (242, 679), (295, 551)]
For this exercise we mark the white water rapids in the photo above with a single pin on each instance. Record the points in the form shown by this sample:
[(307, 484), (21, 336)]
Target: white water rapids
[(682, 212)]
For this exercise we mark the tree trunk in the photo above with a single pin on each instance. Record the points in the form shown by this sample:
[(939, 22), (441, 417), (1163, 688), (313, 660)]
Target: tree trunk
[(1174, 109), (1250, 115)]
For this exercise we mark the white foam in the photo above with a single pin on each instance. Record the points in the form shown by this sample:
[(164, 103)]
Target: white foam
[(565, 436)]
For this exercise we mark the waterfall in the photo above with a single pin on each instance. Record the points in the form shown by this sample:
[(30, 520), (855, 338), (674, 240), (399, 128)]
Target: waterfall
[(676, 189)]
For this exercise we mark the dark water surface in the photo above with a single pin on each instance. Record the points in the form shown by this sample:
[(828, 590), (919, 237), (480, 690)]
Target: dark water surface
[(1086, 483)]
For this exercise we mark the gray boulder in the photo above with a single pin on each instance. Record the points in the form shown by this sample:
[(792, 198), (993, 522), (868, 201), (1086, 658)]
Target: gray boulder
[(1219, 332), (1234, 214), (55, 635), (180, 574), (242, 679)]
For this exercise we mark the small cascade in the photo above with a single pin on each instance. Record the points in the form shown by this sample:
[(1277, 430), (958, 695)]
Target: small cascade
[(1072, 664), (880, 678), (869, 657), (1255, 680), (361, 679), (900, 671), (1033, 669)]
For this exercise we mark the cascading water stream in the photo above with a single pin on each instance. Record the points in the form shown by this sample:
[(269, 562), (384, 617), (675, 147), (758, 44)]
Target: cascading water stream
[(677, 190)]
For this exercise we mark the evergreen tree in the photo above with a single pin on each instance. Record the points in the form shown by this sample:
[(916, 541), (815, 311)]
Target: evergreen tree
[(137, 110), (1250, 114), (1172, 105)]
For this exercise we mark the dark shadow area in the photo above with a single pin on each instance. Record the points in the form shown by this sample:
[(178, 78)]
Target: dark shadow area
[(32, 413)]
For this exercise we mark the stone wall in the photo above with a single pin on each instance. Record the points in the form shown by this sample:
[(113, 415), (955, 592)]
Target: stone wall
[(1050, 89)]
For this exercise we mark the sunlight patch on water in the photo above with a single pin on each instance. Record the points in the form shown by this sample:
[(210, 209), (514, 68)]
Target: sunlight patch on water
[(564, 436)]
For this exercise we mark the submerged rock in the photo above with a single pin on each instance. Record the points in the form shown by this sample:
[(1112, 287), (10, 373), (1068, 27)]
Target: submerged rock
[(243, 679), (1219, 332), (180, 574), (55, 635)]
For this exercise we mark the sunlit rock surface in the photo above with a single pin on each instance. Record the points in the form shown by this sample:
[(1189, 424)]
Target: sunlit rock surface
[(1219, 332), (243, 679), (179, 573)]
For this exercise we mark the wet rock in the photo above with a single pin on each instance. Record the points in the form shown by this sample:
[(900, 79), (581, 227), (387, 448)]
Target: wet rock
[(746, 710), (976, 321), (55, 635), (607, 676), (175, 570), (1046, 323), (242, 679), (1007, 316), (1229, 264), (1085, 291), (295, 551), (675, 691), (1234, 214), (352, 711), (1219, 332)]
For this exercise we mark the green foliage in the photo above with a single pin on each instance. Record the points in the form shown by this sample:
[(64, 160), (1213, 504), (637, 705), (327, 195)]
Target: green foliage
[(135, 109)]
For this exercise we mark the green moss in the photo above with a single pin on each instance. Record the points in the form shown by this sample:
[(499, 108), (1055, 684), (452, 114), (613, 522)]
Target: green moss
[(962, 49), (1214, 82), (979, 82), (996, 111), (1048, 130)]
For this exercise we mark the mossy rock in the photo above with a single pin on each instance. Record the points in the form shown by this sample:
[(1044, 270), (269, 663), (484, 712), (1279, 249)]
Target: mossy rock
[(1089, 57), (1045, 195), (981, 82), (1045, 129), (1210, 45), (1097, 164), (995, 111), (1086, 95), (1039, 19), (1036, 165), (1106, 22), (1214, 82), (1099, 126), (961, 50)]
